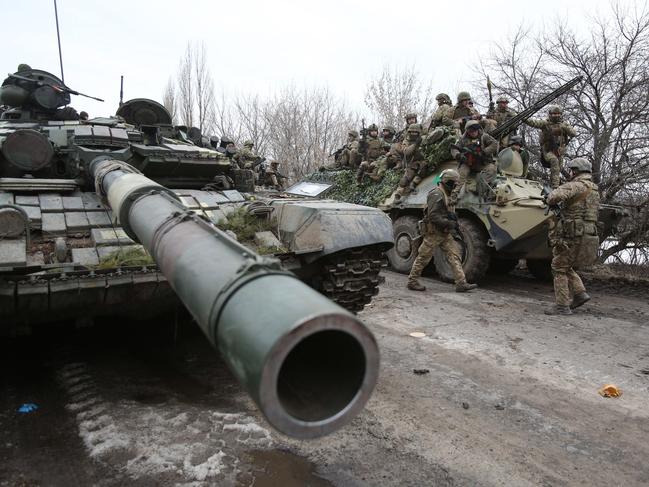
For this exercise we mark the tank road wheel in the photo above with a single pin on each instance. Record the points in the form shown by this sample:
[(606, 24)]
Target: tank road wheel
[(475, 253), (351, 277), (402, 255), (540, 268)]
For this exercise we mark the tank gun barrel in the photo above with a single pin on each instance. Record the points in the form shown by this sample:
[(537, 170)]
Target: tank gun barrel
[(516, 120), (61, 88), (309, 364)]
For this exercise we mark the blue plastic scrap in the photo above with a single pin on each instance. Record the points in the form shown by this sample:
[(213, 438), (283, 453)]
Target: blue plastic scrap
[(28, 407)]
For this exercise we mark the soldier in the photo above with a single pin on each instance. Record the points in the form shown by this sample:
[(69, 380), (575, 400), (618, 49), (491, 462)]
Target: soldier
[(371, 148), (387, 135), (474, 153), (246, 157), (462, 111), (516, 144), (573, 239), (273, 178), (23, 67), (412, 160), (443, 116), (410, 118), (438, 226), (83, 116), (500, 115), (554, 138)]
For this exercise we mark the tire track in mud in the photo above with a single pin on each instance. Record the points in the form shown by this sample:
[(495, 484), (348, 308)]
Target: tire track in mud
[(173, 442)]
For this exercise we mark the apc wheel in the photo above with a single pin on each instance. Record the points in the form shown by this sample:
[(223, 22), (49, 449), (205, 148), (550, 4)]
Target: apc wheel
[(540, 268), (473, 249), (404, 252)]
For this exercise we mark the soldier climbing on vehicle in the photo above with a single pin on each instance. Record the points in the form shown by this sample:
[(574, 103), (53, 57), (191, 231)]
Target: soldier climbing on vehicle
[(573, 235), (554, 139), (474, 153), (438, 229)]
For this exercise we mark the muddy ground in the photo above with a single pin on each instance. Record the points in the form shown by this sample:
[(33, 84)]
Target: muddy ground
[(504, 396)]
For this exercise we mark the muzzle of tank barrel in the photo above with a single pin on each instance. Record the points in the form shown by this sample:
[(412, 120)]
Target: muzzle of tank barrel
[(309, 364)]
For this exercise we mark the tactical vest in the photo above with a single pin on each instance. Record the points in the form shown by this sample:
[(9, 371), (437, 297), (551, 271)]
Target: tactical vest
[(374, 149), (579, 223), (553, 137)]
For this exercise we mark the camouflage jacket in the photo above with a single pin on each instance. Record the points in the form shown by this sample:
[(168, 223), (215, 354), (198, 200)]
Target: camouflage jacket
[(554, 135), (443, 116), (406, 152), (478, 151), (374, 149), (501, 116), (245, 157), (580, 199), (437, 211)]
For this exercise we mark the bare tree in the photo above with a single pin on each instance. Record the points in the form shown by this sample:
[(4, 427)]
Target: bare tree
[(185, 81), (204, 89), (396, 92), (610, 110), (169, 99)]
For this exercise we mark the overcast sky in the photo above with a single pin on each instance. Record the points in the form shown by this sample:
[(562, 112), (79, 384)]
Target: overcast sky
[(259, 46)]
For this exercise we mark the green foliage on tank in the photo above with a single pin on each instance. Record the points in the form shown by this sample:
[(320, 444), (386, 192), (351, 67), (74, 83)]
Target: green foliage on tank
[(367, 193)]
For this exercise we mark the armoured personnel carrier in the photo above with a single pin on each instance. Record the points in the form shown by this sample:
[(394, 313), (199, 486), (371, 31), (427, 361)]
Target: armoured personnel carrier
[(65, 254), (107, 217), (500, 222)]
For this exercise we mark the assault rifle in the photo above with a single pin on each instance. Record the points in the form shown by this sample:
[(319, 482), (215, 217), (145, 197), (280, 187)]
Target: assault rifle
[(515, 121), (362, 143), (492, 107)]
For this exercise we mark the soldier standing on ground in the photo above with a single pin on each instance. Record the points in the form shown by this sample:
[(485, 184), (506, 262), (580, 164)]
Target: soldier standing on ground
[(555, 135), (439, 225), (573, 239), (500, 115), (443, 116), (474, 153)]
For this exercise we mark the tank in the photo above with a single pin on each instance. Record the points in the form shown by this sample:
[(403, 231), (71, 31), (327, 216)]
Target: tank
[(88, 228), (65, 254)]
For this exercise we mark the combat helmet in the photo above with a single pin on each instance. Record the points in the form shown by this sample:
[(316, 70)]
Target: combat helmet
[(408, 116), (515, 140), (248, 143), (390, 129), (502, 99), (449, 175), (415, 127), (353, 133), (580, 164), (373, 127), (555, 112), (462, 96), (472, 124), (443, 98)]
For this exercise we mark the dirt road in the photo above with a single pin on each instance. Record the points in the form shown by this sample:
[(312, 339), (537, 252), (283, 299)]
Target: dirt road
[(503, 395)]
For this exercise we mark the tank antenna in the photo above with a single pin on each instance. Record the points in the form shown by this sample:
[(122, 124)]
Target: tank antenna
[(58, 36), (121, 90)]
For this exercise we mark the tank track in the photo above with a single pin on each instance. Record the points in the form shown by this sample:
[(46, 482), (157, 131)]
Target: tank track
[(351, 278)]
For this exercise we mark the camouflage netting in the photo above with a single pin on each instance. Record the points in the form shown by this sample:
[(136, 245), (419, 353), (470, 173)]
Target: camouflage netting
[(370, 193)]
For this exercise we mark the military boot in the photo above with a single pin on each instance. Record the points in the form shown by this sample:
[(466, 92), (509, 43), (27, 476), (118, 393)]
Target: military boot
[(462, 287), (579, 299), (558, 309), (415, 285)]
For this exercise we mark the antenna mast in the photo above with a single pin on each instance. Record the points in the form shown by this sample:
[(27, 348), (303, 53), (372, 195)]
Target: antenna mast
[(58, 36)]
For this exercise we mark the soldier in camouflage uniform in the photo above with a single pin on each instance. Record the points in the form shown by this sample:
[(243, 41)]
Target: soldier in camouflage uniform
[(247, 158), (410, 118), (516, 144), (412, 160), (555, 135), (443, 116), (573, 237), (371, 148), (463, 112), (273, 178), (474, 153), (439, 225), (387, 135), (500, 115), (347, 157)]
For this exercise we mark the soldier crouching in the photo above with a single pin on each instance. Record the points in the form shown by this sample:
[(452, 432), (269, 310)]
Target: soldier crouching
[(438, 228)]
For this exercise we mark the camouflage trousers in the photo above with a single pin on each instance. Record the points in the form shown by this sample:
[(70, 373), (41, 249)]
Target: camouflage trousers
[(567, 282), (446, 242), (488, 171), (412, 176), (555, 168)]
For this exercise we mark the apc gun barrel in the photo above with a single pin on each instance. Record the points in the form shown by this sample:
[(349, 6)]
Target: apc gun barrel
[(309, 364)]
